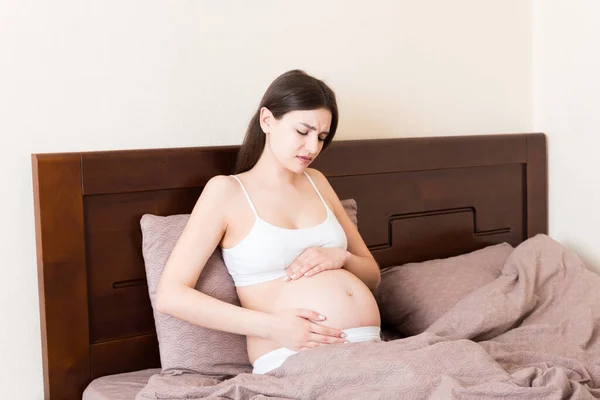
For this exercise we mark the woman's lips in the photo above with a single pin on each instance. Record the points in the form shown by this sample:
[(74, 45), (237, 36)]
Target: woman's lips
[(304, 160)]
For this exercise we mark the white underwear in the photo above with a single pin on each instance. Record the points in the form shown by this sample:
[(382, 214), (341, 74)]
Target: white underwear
[(273, 359)]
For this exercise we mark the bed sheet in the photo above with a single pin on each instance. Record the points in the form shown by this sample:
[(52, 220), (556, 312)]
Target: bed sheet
[(120, 386), (533, 333)]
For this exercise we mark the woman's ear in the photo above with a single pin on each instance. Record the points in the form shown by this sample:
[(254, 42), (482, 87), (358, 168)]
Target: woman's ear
[(266, 120)]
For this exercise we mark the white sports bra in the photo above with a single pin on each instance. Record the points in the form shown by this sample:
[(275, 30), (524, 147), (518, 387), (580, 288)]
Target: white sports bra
[(267, 250)]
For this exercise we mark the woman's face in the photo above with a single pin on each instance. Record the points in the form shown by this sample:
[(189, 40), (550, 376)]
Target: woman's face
[(297, 138)]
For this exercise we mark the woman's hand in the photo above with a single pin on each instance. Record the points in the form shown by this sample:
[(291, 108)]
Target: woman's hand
[(314, 260), (294, 329)]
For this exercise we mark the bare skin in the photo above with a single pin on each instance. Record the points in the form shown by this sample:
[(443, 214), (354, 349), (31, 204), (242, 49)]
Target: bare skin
[(333, 282)]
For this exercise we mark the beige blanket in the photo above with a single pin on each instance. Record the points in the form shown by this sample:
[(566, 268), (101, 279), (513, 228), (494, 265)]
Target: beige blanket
[(530, 334)]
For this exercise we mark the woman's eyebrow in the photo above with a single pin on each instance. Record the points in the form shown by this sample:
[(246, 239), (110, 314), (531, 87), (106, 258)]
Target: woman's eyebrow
[(313, 128)]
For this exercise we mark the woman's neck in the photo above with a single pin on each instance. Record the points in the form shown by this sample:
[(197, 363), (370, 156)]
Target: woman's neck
[(272, 173)]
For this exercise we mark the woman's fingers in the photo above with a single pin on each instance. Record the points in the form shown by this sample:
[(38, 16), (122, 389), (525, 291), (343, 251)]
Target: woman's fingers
[(310, 314), (309, 266), (327, 335), (298, 269), (293, 271), (320, 333), (315, 270), (304, 262), (325, 339)]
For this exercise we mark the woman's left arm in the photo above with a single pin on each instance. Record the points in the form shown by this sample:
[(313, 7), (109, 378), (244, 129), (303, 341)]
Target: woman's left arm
[(358, 260)]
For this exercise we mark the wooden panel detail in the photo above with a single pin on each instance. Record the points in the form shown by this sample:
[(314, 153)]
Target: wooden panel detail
[(62, 277), (496, 193), (125, 355), (374, 156), (537, 185), (156, 169), (420, 237), (118, 296)]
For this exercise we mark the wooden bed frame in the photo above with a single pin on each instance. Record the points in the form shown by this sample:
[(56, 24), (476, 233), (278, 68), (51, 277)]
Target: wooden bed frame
[(418, 198)]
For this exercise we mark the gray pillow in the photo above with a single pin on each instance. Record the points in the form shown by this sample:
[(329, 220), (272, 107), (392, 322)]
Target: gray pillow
[(185, 347), (413, 296)]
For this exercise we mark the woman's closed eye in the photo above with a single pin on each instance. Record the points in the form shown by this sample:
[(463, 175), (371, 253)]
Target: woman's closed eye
[(321, 138)]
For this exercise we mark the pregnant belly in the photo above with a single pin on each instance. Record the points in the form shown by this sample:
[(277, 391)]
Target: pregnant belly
[(338, 294)]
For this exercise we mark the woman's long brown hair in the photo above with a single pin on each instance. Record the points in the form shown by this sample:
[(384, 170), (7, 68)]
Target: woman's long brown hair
[(291, 91)]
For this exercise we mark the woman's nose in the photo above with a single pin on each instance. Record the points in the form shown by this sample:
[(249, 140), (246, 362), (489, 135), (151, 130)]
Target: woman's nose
[(312, 144)]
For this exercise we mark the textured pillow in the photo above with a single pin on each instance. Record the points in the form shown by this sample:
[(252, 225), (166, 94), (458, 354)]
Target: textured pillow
[(185, 347), (351, 209), (413, 296)]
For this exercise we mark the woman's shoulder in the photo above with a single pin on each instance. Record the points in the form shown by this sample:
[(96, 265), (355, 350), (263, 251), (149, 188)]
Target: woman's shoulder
[(322, 183), (316, 174), (220, 187), (318, 177), (220, 197), (220, 183)]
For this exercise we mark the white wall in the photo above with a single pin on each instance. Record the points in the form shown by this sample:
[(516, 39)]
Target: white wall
[(567, 108), (84, 75)]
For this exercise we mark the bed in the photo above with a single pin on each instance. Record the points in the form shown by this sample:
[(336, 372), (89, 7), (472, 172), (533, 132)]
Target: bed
[(419, 199)]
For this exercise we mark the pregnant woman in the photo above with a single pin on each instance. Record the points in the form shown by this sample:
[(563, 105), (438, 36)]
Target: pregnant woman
[(302, 272)]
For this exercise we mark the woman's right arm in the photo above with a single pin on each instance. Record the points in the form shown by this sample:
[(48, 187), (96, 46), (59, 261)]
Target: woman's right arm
[(176, 295)]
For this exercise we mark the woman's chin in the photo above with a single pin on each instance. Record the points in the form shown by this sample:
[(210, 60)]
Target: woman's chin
[(299, 166), (298, 169)]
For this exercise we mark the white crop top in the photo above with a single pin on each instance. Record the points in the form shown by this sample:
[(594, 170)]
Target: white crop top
[(267, 250)]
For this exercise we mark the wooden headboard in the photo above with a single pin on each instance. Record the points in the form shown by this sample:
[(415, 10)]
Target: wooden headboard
[(418, 199)]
